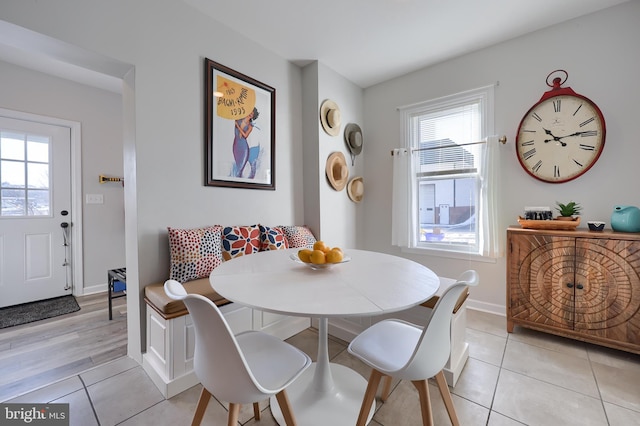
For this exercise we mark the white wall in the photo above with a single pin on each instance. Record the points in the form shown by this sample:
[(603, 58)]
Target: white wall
[(164, 162), (100, 115), (339, 224), (601, 55)]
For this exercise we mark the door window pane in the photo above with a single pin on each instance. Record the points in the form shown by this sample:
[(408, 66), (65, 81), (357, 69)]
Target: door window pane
[(12, 202), (38, 149), (12, 174), (38, 203), (38, 175), (24, 174), (11, 146)]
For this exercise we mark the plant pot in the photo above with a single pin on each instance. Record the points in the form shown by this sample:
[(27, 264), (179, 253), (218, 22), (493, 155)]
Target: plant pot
[(565, 218)]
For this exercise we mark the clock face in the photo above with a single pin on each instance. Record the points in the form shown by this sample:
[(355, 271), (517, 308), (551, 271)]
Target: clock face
[(560, 138)]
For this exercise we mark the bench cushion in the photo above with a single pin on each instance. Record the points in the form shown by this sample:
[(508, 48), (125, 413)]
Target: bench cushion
[(158, 299)]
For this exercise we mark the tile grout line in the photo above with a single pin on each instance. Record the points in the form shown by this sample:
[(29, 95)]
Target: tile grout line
[(86, 391), (595, 379)]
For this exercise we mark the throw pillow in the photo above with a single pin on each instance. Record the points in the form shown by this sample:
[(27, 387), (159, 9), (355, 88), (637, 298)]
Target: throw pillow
[(240, 240), (194, 252), (272, 238), (299, 236)]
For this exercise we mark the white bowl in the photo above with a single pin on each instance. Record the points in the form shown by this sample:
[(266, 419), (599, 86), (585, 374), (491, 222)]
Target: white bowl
[(316, 267)]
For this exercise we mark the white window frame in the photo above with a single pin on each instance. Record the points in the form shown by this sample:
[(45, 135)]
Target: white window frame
[(485, 97)]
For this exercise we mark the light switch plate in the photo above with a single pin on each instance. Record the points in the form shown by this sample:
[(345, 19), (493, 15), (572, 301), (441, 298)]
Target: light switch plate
[(95, 199)]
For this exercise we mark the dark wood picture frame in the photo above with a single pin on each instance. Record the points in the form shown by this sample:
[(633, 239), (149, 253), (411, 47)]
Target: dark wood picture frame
[(240, 129)]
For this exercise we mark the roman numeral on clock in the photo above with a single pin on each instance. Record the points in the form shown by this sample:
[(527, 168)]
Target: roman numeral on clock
[(536, 116), (556, 105), (587, 147), (527, 143), (529, 154), (556, 171), (576, 161), (584, 123), (537, 166)]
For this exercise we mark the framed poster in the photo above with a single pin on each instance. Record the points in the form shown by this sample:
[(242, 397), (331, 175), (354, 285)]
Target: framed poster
[(240, 128)]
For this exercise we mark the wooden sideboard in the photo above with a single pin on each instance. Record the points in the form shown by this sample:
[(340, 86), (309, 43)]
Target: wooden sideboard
[(579, 284)]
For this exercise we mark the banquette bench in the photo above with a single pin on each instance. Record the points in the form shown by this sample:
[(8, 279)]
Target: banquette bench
[(168, 359), (194, 253)]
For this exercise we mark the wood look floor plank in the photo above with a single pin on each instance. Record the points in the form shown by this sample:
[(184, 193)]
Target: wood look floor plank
[(36, 354)]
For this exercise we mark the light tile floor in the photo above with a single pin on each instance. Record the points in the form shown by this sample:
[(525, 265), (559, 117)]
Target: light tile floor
[(526, 377)]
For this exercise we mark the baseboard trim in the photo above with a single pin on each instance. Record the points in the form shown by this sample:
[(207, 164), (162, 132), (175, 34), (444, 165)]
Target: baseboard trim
[(491, 308)]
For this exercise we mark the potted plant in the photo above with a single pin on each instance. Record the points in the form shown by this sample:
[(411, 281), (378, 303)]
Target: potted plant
[(568, 211)]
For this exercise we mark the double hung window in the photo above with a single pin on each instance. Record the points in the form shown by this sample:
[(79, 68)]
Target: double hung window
[(447, 174)]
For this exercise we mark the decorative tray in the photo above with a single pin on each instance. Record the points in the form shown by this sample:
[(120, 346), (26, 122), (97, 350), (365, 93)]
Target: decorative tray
[(549, 224)]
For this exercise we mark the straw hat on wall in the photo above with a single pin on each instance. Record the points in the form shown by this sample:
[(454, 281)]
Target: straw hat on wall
[(353, 139), (330, 117), (337, 171), (355, 189)]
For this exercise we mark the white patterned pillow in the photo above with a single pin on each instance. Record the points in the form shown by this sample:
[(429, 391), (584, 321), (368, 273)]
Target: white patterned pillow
[(194, 252)]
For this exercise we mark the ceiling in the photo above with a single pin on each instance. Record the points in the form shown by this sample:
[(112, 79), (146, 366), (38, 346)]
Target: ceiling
[(366, 41), (370, 41)]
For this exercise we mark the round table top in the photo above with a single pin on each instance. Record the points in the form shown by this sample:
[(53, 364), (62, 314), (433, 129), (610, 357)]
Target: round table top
[(369, 284)]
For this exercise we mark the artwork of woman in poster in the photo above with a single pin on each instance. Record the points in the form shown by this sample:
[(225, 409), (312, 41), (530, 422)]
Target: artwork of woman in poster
[(242, 153)]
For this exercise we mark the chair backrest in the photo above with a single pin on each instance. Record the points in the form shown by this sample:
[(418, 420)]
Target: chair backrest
[(434, 347), (218, 360)]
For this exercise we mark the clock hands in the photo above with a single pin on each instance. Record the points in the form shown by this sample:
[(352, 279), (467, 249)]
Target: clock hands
[(558, 138), (555, 138)]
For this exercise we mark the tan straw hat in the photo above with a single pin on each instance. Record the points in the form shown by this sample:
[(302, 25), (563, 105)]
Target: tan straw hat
[(330, 117), (337, 171), (355, 189), (353, 138)]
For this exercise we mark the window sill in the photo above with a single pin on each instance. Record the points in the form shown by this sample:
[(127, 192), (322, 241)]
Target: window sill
[(449, 254)]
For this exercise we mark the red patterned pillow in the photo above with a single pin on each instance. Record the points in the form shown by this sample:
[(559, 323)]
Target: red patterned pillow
[(194, 252), (240, 240), (299, 236), (272, 238)]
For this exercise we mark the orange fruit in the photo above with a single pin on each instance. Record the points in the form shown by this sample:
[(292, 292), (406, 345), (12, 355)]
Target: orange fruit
[(304, 255), (320, 245), (338, 249), (334, 256), (318, 257)]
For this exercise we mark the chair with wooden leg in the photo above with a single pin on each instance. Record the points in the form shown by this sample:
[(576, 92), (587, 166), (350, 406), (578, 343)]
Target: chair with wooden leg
[(396, 348), (242, 369)]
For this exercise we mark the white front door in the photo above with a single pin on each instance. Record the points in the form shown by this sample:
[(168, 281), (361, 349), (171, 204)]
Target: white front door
[(35, 203)]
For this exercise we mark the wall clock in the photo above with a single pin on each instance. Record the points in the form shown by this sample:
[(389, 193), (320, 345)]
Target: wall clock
[(561, 136)]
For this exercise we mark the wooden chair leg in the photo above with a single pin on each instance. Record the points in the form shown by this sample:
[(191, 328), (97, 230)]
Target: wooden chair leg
[(386, 389), (234, 413), (256, 410), (201, 407), (369, 397), (425, 401), (446, 397), (285, 407)]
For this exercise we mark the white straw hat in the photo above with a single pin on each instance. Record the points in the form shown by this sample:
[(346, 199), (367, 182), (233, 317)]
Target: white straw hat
[(330, 117)]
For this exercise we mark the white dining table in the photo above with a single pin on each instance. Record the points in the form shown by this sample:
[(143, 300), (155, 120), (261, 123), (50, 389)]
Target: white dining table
[(369, 283)]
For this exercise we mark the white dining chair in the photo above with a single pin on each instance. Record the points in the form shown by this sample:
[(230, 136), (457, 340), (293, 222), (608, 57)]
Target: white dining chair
[(242, 369), (399, 349)]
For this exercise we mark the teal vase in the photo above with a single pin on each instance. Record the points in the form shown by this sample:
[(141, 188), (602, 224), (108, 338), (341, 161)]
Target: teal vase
[(625, 219)]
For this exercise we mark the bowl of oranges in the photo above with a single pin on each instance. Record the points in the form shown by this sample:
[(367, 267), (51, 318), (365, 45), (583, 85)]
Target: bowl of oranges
[(321, 256)]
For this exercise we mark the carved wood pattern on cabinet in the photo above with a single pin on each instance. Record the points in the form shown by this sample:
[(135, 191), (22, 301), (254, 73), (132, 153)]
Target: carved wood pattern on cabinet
[(579, 284)]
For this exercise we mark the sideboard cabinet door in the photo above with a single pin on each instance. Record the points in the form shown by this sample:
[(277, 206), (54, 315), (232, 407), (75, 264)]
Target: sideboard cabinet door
[(607, 302)]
